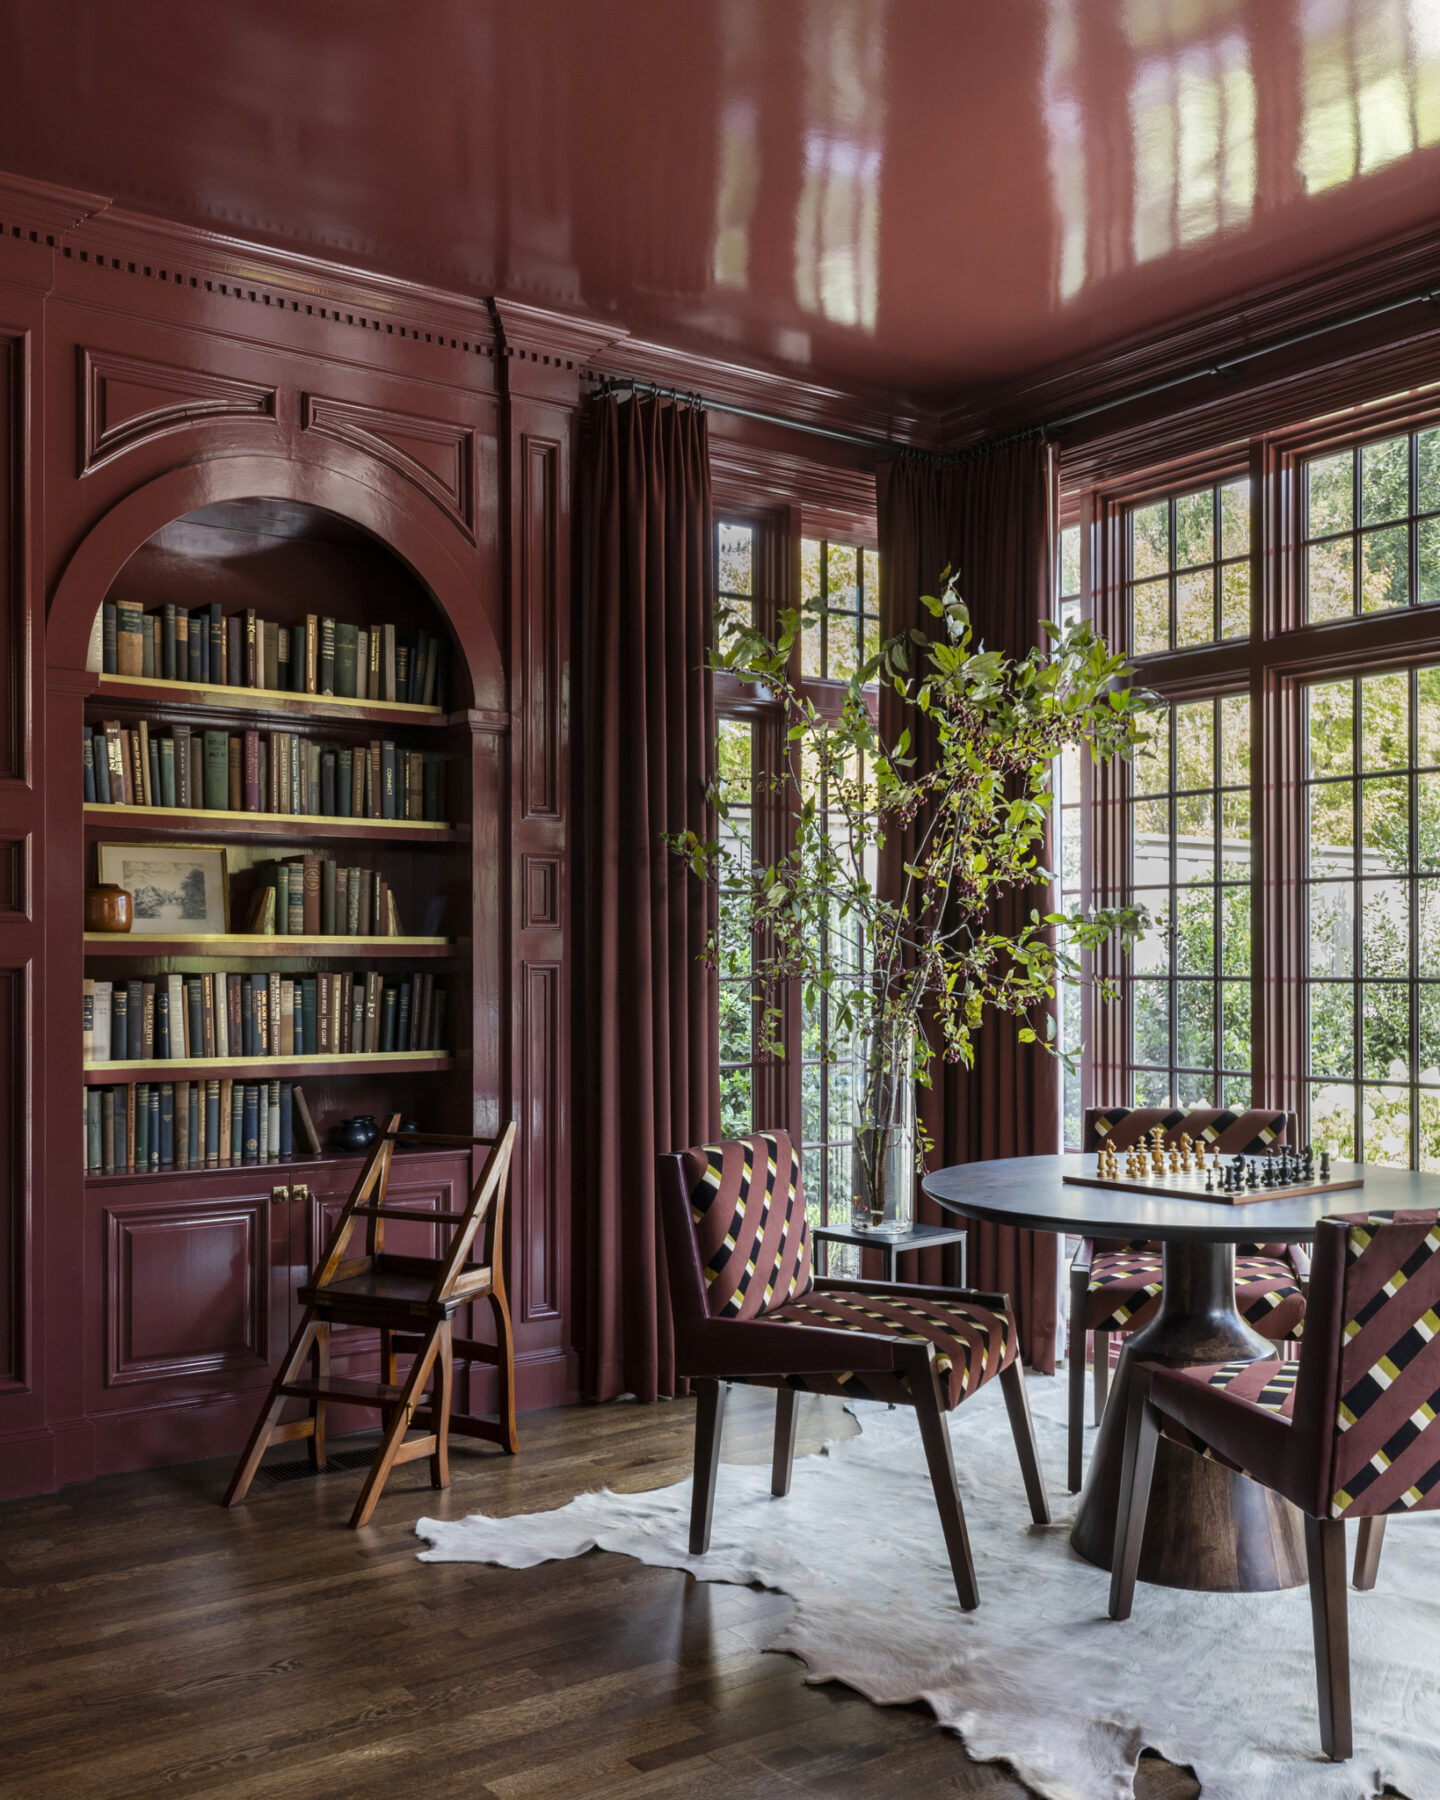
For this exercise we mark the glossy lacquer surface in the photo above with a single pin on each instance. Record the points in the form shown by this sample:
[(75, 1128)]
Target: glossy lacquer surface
[(925, 194)]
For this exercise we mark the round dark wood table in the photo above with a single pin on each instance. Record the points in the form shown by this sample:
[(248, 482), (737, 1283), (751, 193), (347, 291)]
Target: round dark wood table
[(1207, 1527)]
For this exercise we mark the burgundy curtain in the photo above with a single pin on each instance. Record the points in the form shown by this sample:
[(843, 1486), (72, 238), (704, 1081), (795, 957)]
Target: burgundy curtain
[(988, 517), (650, 1053)]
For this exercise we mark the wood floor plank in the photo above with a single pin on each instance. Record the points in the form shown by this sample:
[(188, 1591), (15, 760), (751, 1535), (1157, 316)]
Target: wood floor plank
[(155, 1643)]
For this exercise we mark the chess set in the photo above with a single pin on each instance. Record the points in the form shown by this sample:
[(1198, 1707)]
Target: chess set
[(1197, 1171)]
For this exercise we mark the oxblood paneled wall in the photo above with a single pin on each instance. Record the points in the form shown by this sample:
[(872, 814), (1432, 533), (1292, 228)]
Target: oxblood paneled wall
[(148, 372)]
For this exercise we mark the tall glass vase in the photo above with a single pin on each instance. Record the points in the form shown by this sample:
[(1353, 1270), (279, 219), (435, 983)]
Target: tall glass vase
[(883, 1126)]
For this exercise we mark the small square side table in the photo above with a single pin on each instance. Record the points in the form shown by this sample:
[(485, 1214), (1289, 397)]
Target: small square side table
[(918, 1237)]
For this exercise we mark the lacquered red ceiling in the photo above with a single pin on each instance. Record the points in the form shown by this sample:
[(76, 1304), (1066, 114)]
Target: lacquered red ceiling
[(923, 195)]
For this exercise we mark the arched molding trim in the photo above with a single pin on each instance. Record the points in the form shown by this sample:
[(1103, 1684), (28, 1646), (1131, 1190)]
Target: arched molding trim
[(372, 499)]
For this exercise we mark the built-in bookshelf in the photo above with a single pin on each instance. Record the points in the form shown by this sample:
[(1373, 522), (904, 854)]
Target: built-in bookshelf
[(211, 726)]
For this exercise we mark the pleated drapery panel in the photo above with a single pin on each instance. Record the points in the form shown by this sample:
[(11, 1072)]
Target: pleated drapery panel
[(988, 517), (650, 1047)]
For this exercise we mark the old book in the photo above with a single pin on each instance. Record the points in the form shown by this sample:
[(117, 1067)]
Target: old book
[(134, 1049), (207, 1015), (140, 737), (235, 650), (427, 992), (310, 867), (152, 764), (87, 766), (129, 1097), (94, 1153), (198, 643), (163, 1037), (306, 1136), (149, 629), (134, 767), (251, 1129), (374, 689), (166, 748), (236, 800), (217, 770), (365, 911), (129, 638), (216, 672), (119, 1022), (355, 988), (250, 772), (387, 662), (196, 1120), (179, 1018), (154, 1163), (181, 754), (287, 1016), (375, 782), (219, 1002), (312, 779), (142, 1125), (380, 914), (197, 769), (287, 664), (393, 927), (87, 1016), (308, 1012), (387, 780), (194, 1017), (387, 1017), (402, 1013), (272, 1012), (182, 644), (312, 655), (109, 639), (147, 1020), (270, 654), (295, 896), (107, 1130), (254, 651), (272, 1102), (237, 1122), (347, 647), (362, 664), (227, 1128), (402, 670)]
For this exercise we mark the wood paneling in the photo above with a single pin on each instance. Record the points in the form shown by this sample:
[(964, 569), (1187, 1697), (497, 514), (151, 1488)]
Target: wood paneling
[(539, 552), (128, 400), (187, 1288), (540, 1048), (14, 1208), (438, 457)]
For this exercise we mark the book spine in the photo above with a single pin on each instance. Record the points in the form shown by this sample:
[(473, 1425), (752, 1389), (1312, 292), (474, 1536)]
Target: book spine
[(181, 752), (196, 644), (166, 747), (327, 897), (100, 757), (387, 780), (207, 1015), (254, 651), (147, 647), (142, 1125), (273, 667), (287, 1016), (310, 889), (94, 1153), (147, 1020), (235, 651), (287, 1119), (119, 1023), (235, 798), (134, 1021), (129, 1092), (197, 769), (107, 1130), (250, 774), (356, 989), (87, 1017), (402, 1013), (109, 639), (162, 1021), (272, 1013), (387, 1017), (310, 1014), (217, 770), (136, 737), (377, 663), (216, 641), (194, 1018), (129, 638), (87, 764), (212, 1123), (312, 654), (227, 1126), (220, 1007), (237, 1122), (327, 784)]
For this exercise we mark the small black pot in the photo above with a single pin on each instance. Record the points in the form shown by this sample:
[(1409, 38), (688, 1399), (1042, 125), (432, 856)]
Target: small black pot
[(358, 1133)]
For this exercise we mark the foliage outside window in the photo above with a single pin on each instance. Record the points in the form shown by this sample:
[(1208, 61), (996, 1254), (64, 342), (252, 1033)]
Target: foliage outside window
[(1372, 527), (1068, 859), (1372, 890), (1189, 568)]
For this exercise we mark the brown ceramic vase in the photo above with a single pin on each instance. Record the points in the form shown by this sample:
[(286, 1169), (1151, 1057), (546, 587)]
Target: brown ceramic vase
[(108, 908)]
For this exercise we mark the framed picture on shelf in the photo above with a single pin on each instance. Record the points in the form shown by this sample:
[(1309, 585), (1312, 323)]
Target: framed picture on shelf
[(177, 890)]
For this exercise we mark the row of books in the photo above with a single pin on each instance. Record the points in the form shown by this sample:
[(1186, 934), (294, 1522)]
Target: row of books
[(313, 895), (259, 772), (318, 656), (262, 1013), (147, 1126)]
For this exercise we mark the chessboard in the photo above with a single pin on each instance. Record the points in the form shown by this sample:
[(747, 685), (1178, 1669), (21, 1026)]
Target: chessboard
[(1287, 1180)]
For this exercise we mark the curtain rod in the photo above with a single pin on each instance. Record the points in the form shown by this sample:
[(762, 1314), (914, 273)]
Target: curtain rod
[(1227, 365)]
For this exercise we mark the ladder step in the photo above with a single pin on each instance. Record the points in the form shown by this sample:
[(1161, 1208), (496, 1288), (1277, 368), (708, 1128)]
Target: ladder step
[(450, 1217), (340, 1387)]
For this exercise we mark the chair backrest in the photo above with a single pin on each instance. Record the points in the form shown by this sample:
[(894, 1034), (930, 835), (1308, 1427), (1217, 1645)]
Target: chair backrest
[(1248, 1133), (1367, 1402), (485, 1205), (733, 1214)]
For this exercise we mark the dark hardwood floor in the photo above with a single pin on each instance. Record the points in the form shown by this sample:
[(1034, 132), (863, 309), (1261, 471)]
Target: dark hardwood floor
[(153, 1644)]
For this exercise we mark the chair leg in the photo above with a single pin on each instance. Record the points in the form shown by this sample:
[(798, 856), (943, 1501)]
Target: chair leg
[(935, 1436), (1076, 1430), (270, 1413), (1142, 1436), (1325, 1554), (505, 1373), (785, 1423), (318, 1459), (1102, 1372), (397, 1423), (1022, 1429), (709, 1418), (1367, 1551), (387, 1356), (442, 1399)]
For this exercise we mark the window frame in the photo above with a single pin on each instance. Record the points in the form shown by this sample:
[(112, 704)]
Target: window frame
[(1283, 655)]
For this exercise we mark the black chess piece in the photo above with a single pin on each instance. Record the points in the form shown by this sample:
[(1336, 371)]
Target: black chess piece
[(1324, 1165), (1209, 1180)]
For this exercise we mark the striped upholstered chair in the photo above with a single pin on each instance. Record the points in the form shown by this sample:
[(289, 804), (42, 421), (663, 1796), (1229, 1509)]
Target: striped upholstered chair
[(1115, 1286), (748, 1307), (1350, 1432)]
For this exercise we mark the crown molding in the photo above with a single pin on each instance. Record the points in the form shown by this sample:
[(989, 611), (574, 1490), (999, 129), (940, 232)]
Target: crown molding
[(834, 501), (1317, 303), (42, 210), (889, 418)]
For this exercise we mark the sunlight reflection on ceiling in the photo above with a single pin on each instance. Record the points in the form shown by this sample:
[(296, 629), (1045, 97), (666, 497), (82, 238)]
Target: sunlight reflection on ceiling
[(1371, 86), (837, 216)]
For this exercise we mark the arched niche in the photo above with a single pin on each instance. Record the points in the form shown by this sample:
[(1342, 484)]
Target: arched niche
[(248, 518)]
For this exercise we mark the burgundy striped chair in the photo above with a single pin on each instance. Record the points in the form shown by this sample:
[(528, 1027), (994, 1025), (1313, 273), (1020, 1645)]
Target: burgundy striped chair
[(1115, 1286), (748, 1307), (1349, 1432)]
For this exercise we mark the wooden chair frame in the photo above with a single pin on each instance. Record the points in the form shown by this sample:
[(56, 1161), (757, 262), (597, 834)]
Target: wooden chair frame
[(352, 1290)]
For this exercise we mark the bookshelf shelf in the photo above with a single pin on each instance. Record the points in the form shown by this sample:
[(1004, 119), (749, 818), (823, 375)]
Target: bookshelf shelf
[(264, 1068), (296, 1167), (140, 690), (278, 944), (146, 821)]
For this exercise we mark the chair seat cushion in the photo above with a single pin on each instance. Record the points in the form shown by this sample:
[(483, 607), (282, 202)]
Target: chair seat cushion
[(1267, 1387), (1124, 1292), (972, 1343)]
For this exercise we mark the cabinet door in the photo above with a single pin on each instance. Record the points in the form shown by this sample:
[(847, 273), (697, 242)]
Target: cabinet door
[(192, 1311)]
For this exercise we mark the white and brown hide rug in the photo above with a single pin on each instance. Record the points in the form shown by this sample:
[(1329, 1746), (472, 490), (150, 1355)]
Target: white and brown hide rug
[(1038, 1678)]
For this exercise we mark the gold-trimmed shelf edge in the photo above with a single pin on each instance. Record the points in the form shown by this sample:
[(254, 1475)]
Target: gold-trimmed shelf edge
[(207, 693), (260, 820)]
